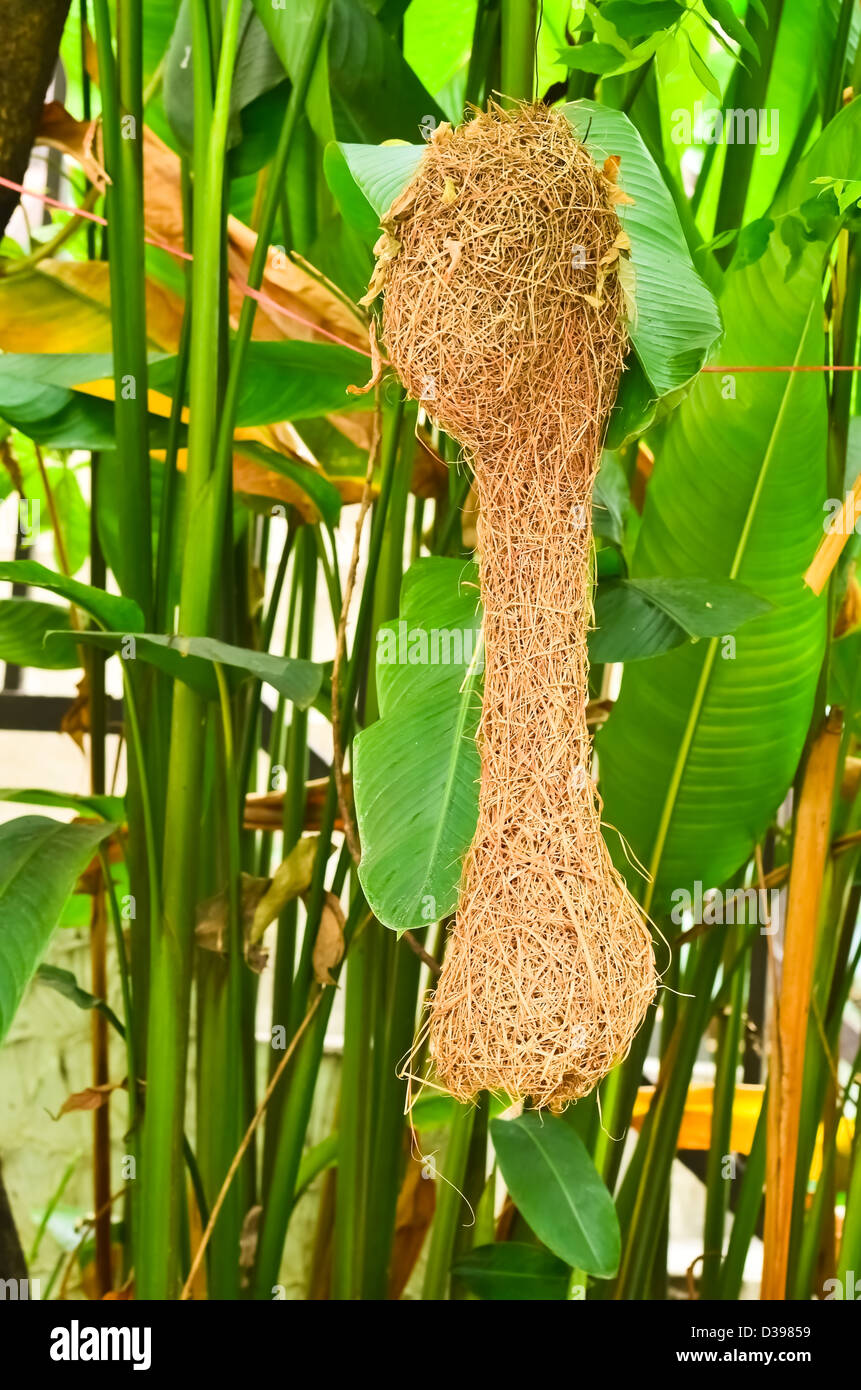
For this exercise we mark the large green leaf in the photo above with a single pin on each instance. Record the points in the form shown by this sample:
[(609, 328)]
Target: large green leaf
[(555, 1186), (416, 770), (366, 179), (375, 93), (193, 661), (40, 861), (23, 625), (257, 70), (109, 610), (288, 380), (362, 87), (677, 321), (737, 491), (287, 27), (637, 618), (317, 488), (53, 414), (513, 1272), (110, 808)]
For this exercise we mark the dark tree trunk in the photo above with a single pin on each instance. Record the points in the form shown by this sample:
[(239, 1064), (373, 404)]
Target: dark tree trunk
[(12, 1262), (30, 31)]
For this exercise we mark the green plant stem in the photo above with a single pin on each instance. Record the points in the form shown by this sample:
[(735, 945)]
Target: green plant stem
[(158, 1262), (747, 1212), (295, 798), (229, 1116), (167, 560), (483, 52), (294, 1123), (395, 968), (350, 1229), (849, 1257), (517, 73), (452, 522), (660, 1130), (473, 1188), (120, 84), (251, 731), (449, 1207), (274, 184), (833, 95), (717, 1184), (122, 125), (748, 89), (286, 1130), (391, 444)]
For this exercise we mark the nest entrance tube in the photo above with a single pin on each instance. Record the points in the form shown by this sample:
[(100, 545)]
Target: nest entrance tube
[(502, 313)]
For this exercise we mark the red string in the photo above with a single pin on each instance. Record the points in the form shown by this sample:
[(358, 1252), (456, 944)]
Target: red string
[(270, 303), (718, 367), (186, 256)]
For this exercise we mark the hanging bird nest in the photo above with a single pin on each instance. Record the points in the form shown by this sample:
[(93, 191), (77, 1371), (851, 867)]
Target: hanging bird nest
[(503, 314)]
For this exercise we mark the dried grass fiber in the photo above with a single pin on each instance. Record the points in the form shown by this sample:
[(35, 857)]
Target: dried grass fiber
[(503, 313)]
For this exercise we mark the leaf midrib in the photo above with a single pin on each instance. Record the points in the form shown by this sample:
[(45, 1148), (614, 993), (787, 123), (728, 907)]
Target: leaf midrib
[(709, 660), (544, 1151), (450, 780)]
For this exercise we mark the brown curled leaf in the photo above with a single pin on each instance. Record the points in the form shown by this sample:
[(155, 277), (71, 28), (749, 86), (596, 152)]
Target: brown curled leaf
[(329, 945), (92, 1098), (376, 364)]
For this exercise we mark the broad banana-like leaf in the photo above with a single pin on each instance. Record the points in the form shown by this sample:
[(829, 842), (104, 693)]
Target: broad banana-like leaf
[(416, 769), (704, 741), (676, 321), (40, 860)]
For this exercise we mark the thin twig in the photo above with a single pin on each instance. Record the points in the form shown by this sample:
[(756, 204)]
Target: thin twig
[(415, 945), (240, 1152), (86, 1226), (59, 539)]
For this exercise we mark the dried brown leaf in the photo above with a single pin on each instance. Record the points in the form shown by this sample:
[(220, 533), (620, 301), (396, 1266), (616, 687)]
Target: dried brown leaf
[(92, 1098), (210, 931), (290, 879), (413, 1216), (329, 943), (59, 130)]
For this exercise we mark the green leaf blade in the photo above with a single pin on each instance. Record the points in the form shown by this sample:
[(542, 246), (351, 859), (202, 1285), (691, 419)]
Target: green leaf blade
[(416, 770), (40, 861), (556, 1188), (513, 1271)]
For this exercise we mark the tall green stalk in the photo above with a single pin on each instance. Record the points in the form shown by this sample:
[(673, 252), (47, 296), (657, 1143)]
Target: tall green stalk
[(517, 73), (121, 81), (285, 1131), (450, 1208), (305, 579), (717, 1181), (748, 90), (158, 1258)]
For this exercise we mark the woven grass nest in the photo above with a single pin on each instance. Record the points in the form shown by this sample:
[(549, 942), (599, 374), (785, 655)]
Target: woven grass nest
[(503, 313)]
